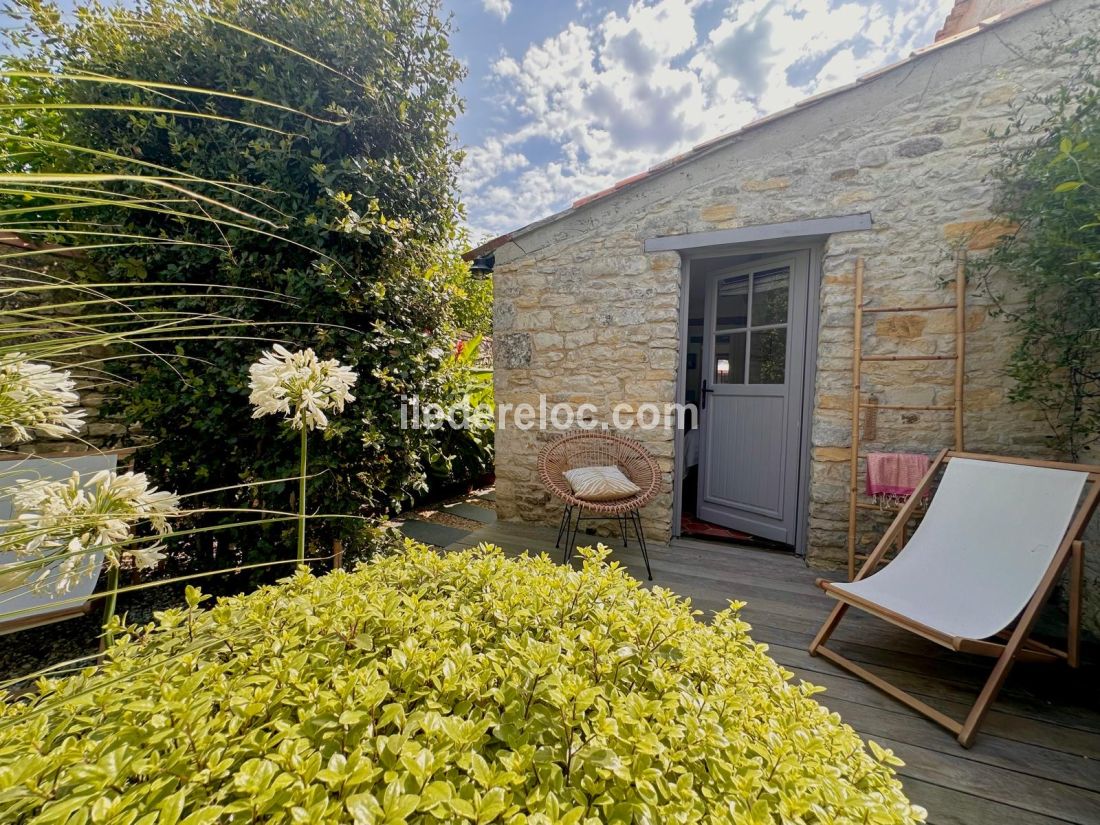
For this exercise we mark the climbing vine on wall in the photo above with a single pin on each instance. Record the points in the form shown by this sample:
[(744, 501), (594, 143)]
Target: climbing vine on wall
[(1048, 173)]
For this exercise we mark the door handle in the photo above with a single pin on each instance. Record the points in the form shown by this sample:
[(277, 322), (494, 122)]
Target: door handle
[(706, 391)]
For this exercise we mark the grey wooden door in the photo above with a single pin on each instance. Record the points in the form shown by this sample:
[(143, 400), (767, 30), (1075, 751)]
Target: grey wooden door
[(753, 364)]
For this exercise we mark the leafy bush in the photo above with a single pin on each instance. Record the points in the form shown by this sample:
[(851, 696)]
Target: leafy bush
[(464, 687), (330, 121), (473, 303), (465, 453)]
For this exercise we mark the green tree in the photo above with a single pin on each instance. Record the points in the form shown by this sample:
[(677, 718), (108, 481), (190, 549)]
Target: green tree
[(353, 169), (1048, 174), (473, 303)]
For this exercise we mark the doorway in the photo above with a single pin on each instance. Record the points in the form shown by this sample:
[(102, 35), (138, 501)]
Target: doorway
[(748, 370)]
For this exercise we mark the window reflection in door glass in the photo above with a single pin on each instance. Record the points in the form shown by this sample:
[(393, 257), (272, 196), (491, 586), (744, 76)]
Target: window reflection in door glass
[(770, 290), (768, 358), (733, 303), (729, 359)]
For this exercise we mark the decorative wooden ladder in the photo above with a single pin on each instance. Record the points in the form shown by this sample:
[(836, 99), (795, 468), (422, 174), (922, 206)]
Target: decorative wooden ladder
[(860, 404)]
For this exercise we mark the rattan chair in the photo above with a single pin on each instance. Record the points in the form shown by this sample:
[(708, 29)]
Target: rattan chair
[(599, 449)]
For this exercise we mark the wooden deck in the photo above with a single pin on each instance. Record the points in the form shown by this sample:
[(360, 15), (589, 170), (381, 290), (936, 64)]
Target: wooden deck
[(1037, 758)]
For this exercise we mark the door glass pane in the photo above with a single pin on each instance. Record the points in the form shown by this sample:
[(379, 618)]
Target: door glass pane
[(733, 303), (767, 361), (770, 289), (729, 359)]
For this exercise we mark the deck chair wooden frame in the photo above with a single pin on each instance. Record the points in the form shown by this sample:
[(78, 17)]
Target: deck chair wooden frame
[(1016, 644), (67, 611)]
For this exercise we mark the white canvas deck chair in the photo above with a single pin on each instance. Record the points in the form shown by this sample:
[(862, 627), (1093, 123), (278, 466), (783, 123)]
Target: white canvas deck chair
[(21, 607), (973, 577)]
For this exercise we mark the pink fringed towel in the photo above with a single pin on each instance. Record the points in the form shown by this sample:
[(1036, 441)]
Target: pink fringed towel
[(892, 477)]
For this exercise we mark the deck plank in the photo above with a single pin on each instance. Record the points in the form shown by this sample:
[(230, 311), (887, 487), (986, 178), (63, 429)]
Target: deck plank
[(1037, 759), (940, 692), (1009, 726), (1028, 692), (993, 784), (948, 806), (990, 749)]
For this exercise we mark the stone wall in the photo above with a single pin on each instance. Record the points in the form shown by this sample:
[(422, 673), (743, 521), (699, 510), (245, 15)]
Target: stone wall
[(584, 315), (93, 383), (100, 431)]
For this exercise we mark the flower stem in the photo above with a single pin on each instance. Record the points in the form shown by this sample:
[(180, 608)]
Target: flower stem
[(302, 503), (111, 604)]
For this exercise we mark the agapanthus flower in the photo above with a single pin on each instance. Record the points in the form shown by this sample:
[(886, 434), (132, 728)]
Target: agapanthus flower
[(73, 520), (36, 398), (300, 387)]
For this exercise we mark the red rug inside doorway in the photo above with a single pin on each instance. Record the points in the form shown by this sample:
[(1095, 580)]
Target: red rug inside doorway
[(691, 526)]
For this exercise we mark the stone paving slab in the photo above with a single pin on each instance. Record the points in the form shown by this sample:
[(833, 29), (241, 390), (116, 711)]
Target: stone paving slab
[(471, 511), (427, 532)]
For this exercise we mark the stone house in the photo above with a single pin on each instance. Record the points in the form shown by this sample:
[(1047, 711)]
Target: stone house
[(639, 293)]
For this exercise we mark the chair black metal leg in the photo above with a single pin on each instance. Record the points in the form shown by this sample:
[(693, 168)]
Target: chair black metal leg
[(564, 522), (568, 531), (572, 536), (637, 520), (622, 529)]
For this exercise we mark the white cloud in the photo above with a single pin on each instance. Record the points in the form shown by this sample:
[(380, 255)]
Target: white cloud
[(629, 89), (501, 8), (488, 161)]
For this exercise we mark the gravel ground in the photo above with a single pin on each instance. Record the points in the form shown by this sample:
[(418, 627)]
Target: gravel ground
[(435, 512), (448, 519), (28, 651)]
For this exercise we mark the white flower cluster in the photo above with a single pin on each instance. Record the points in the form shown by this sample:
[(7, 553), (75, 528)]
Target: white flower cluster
[(72, 520), (300, 387), (34, 397)]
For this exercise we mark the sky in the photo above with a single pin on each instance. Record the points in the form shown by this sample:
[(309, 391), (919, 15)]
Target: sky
[(566, 97)]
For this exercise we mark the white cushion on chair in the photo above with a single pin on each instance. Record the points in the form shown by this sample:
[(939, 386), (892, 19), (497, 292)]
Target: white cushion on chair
[(600, 483)]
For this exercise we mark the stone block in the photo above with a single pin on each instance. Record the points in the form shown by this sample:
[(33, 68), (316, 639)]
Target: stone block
[(942, 125), (721, 213), (873, 157), (547, 340), (504, 314), (766, 185), (832, 454), (918, 147), (998, 96), (901, 327), (826, 434), (103, 428), (835, 402), (858, 196), (512, 351)]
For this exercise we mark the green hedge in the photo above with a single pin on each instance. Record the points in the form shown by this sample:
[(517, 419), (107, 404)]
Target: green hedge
[(361, 261), (467, 687)]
